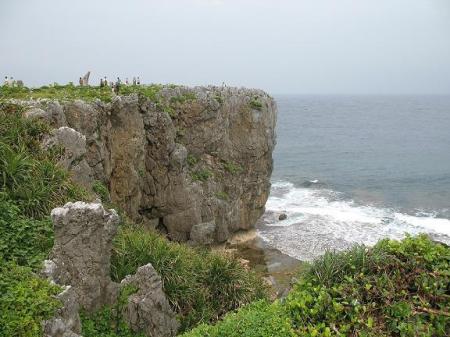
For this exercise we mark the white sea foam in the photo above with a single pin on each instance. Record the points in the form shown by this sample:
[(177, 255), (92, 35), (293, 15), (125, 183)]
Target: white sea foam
[(318, 219)]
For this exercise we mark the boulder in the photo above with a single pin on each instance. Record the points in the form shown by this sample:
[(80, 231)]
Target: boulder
[(283, 216), (148, 310), (203, 233)]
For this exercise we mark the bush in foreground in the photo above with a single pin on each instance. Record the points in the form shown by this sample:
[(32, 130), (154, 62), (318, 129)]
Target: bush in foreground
[(257, 319), (393, 289), (25, 301)]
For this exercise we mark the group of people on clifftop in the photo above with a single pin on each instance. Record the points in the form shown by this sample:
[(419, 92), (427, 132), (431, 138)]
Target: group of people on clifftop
[(104, 81), (115, 85)]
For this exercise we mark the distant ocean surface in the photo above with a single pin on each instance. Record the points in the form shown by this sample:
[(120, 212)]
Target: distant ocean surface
[(355, 169)]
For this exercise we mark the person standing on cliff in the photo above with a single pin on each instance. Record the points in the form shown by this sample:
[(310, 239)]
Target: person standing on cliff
[(80, 82), (117, 86), (138, 81), (134, 80), (101, 83), (6, 82), (105, 82)]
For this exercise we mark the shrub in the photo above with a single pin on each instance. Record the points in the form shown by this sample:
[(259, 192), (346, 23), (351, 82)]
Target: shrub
[(192, 160), (218, 97), (256, 104), (259, 319), (232, 168), (201, 175), (393, 289), (108, 322), (29, 175), (25, 301), (24, 240), (181, 99), (200, 285)]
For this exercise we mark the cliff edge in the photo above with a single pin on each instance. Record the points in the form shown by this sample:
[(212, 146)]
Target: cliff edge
[(192, 162)]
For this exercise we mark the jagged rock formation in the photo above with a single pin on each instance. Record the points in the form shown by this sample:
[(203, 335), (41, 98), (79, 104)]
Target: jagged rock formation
[(80, 262), (148, 309), (66, 322), (82, 252), (185, 158), (73, 159)]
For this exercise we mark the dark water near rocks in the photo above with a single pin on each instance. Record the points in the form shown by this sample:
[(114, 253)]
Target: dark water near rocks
[(354, 169)]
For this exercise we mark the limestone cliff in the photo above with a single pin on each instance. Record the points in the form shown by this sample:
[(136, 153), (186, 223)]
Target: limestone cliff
[(194, 162)]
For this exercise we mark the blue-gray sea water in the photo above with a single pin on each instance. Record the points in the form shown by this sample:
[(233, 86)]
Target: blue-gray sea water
[(355, 169)]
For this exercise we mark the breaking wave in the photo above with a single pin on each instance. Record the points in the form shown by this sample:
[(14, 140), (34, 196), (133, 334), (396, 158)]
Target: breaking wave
[(321, 219)]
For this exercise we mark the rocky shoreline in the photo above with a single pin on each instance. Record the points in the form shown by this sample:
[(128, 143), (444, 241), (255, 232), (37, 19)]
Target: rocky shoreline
[(279, 269)]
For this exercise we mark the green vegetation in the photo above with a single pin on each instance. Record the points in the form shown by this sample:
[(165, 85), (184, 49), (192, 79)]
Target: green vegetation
[(259, 319), (201, 175), (31, 184), (102, 191), (232, 168), (71, 92), (222, 195), (393, 289), (61, 92), (25, 301), (218, 97), (181, 99), (192, 160), (108, 322), (201, 285), (256, 104)]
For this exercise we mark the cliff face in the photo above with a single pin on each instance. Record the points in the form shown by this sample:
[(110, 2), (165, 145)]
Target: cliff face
[(195, 163)]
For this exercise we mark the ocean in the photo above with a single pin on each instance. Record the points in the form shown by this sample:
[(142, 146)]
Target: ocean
[(356, 169)]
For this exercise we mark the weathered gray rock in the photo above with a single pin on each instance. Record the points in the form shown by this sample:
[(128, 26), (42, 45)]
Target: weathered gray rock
[(66, 322), (203, 233), (51, 112), (82, 250), (210, 162), (37, 113), (148, 309), (73, 159), (283, 216), (72, 141)]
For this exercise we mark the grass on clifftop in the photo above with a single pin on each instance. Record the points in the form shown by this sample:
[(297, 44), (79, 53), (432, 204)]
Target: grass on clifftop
[(71, 92), (393, 289)]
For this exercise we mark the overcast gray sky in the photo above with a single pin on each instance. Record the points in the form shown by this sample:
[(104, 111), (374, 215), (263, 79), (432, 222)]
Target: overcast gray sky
[(284, 46)]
